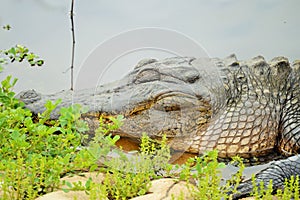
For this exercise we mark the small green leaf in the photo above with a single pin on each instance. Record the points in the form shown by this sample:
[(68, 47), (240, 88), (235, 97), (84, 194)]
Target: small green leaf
[(12, 51), (15, 135), (88, 183), (65, 190), (93, 167), (39, 62), (115, 139), (6, 27), (68, 184)]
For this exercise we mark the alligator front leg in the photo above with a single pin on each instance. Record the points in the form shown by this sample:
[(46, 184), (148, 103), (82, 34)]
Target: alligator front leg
[(278, 171)]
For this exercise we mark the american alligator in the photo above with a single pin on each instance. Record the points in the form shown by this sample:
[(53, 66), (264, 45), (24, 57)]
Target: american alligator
[(246, 108)]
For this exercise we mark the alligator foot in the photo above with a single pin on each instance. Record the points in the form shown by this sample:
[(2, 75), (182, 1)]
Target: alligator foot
[(278, 172)]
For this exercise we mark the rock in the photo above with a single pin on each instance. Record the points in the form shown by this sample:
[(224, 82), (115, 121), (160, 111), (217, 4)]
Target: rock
[(71, 195), (164, 189), (83, 178), (253, 198), (61, 195), (161, 189)]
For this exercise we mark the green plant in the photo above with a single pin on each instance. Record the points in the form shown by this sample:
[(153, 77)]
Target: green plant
[(233, 183), (19, 53), (291, 189), (98, 191), (99, 147), (205, 172), (7, 99), (6, 27), (34, 155), (126, 177), (260, 191), (157, 152)]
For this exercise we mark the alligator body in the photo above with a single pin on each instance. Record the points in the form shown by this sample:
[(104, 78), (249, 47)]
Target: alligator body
[(246, 108)]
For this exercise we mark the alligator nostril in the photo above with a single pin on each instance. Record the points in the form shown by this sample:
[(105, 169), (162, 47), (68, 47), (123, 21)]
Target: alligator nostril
[(29, 96), (193, 79)]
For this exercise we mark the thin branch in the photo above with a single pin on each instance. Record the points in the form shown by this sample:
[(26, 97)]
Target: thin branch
[(73, 46)]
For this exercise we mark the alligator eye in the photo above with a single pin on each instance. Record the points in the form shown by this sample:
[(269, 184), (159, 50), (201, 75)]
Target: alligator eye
[(235, 64), (147, 76), (167, 108)]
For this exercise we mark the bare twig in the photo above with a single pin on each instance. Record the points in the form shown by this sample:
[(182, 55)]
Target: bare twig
[(73, 46)]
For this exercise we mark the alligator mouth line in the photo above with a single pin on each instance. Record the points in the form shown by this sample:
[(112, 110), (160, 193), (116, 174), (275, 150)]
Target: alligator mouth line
[(173, 106)]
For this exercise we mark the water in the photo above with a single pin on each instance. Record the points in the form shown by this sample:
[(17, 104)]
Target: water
[(247, 28)]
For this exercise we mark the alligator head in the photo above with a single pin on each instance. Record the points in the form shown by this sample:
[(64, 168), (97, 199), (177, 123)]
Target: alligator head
[(156, 97)]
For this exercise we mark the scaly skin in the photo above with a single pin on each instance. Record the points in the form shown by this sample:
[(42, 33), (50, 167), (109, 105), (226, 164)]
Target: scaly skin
[(246, 108), (278, 172), (248, 123)]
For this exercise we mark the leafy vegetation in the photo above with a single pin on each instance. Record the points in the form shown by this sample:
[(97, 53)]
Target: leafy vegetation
[(19, 53), (290, 191), (6, 27), (126, 177), (33, 155)]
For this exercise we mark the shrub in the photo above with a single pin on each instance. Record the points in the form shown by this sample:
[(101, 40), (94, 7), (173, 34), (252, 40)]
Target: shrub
[(34, 155)]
